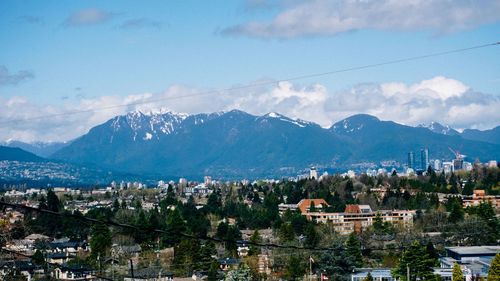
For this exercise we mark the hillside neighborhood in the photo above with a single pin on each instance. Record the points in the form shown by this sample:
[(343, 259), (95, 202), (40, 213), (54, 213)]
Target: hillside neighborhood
[(341, 227)]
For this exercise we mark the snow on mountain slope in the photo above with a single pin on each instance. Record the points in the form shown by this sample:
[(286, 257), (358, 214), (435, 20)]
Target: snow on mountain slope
[(148, 126), (440, 129), (277, 116)]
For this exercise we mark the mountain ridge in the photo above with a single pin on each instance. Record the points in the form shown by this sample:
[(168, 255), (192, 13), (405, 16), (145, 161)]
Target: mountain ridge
[(18, 154), (236, 143)]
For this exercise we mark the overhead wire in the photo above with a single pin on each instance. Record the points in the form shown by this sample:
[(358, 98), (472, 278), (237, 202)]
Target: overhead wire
[(185, 235), (189, 236), (257, 84), (160, 231)]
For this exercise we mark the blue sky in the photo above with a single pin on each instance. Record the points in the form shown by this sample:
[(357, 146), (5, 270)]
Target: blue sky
[(73, 55)]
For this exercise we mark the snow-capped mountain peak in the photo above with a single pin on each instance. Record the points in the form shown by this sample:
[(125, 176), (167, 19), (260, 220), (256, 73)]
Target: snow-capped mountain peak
[(440, 129), (274, 115), (354, 123), (148, 126)]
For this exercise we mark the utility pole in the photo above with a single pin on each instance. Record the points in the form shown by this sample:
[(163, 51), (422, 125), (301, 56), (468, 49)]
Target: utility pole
[(131, 268), (99, 262), (47, 262), (407, 272), (310, 268), (113, 263)]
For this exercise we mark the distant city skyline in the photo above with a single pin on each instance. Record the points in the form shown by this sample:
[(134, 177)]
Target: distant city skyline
[(60, 57)]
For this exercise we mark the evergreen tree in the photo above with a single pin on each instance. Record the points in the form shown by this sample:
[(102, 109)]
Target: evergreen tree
[(100, 240), (431, 251), (233, 234), (312, 207), (312, 237), (38, 258), (214, 203), (457, 274), (186, 257), (255, 238), (419, 262), (380, 227), (230, 233), (213, 272), (456, 213), (494, 272), (486, 213), (336, 264), (207, 255), (286, 233), (116, 205), (152, 224), (368, 277), (175, 227), (222, 230), (353, 250), (53, 203), (295, 268), (469, 187)]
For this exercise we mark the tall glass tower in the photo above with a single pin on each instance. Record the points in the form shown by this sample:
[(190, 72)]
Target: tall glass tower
[(424, 158), (411, 160)]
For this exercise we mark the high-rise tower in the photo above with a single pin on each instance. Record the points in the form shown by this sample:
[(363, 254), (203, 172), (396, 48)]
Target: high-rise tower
[(411, 160), (424, 158)]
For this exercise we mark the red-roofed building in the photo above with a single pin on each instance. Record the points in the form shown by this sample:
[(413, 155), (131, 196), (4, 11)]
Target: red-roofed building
[(305, 204)]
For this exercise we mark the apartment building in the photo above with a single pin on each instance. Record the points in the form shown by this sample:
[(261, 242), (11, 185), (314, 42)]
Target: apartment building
[(478, 197), (356, 218)]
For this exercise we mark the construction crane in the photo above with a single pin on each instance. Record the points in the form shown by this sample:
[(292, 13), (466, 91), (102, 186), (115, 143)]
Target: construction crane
[(457, 154)]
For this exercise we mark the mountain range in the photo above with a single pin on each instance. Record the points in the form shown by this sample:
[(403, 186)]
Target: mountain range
[(42, 149), (236, 144), (18, 154)]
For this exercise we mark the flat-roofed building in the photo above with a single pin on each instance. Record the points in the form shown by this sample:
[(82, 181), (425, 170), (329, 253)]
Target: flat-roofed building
[(284, 207), (356, 218), (479, 196), (475, 261), (378, 274)]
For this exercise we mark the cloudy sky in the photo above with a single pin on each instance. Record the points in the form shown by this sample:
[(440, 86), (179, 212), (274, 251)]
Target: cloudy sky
[(92, 57)]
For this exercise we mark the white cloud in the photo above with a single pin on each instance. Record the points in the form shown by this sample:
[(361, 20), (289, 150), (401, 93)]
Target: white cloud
[(328, 17), (89, 16), (440, 99)]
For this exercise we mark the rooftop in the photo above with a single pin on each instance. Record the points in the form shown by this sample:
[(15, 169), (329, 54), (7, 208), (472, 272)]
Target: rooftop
[(475, 250), (375, 272)]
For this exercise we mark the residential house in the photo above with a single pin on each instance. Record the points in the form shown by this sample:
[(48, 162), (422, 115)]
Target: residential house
[(23, 267), (228, 263), (70, 247), (242, 248), (59, 257), (73, 273)]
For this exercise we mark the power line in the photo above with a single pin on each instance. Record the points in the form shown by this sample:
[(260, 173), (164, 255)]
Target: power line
[(259, 84), (194, 237), (185, 235), (188, 236)]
